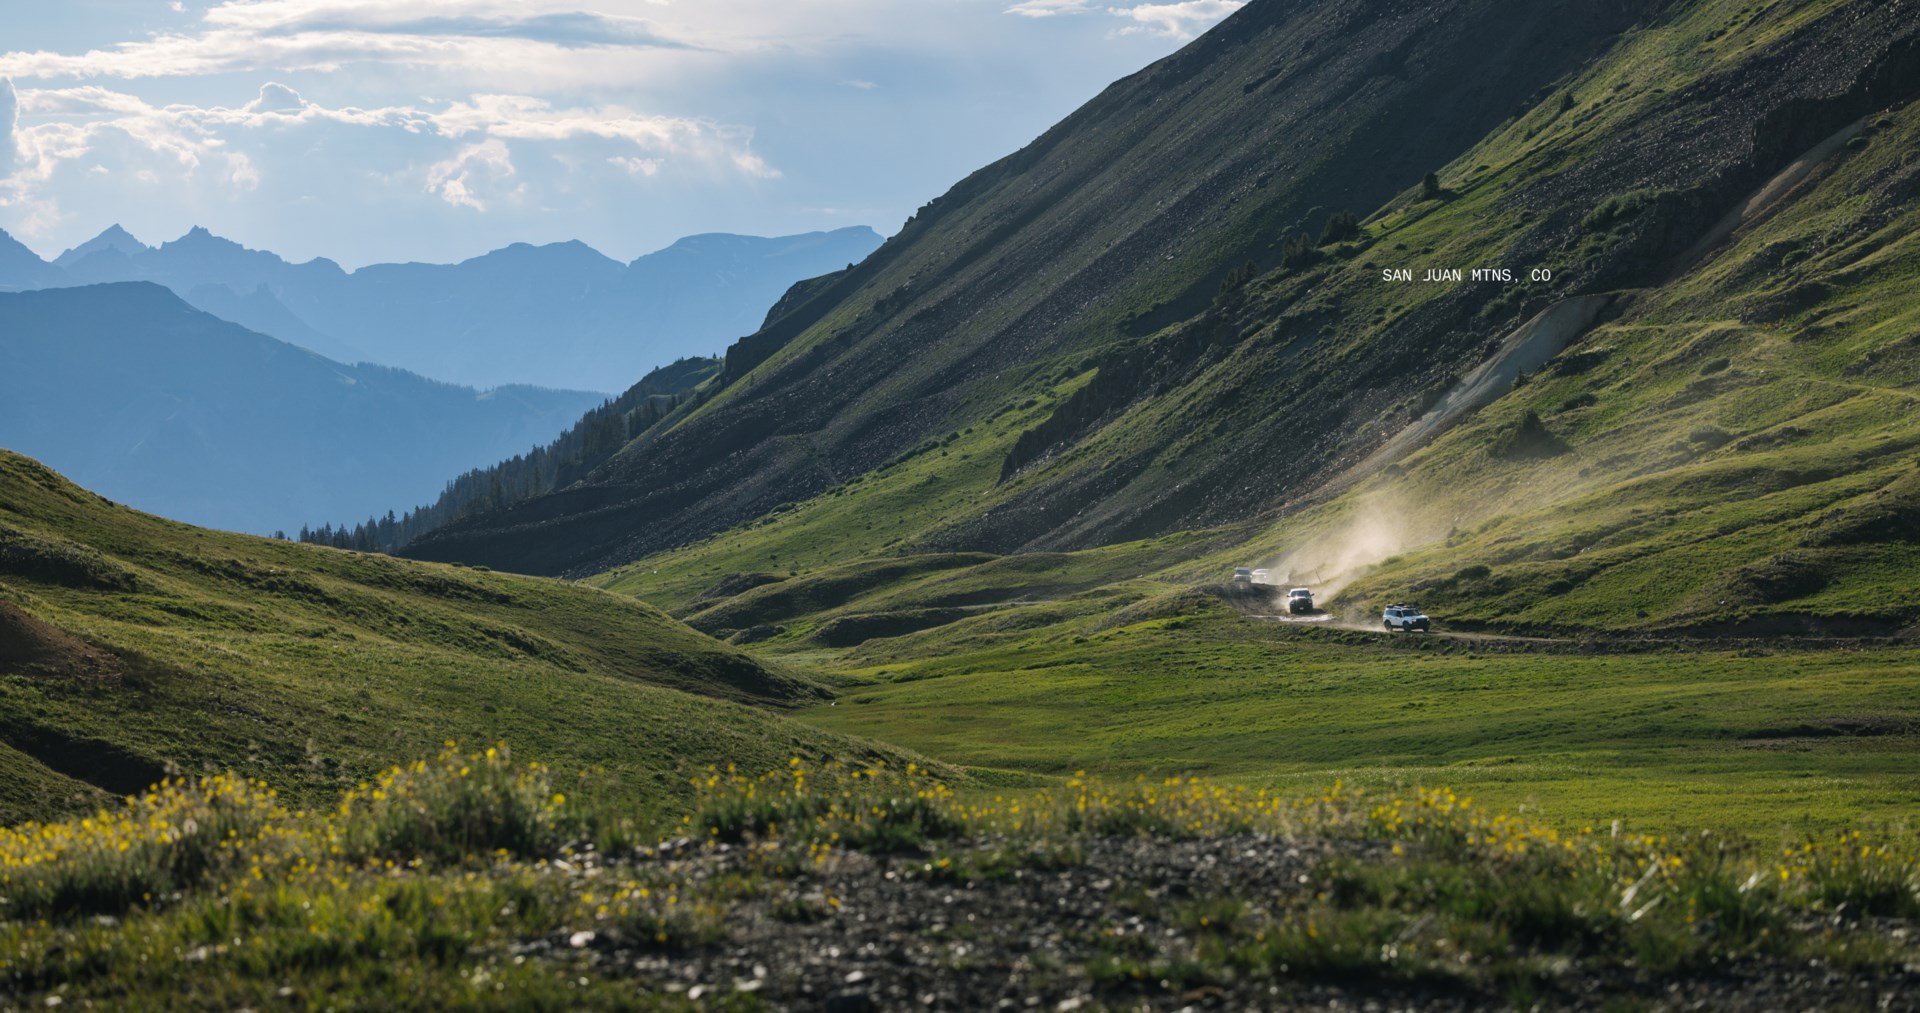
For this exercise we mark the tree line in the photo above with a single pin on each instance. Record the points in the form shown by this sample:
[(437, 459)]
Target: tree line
[(589, 443)]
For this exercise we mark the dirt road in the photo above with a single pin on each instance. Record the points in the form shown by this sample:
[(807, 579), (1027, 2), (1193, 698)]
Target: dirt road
[(1328, 620)]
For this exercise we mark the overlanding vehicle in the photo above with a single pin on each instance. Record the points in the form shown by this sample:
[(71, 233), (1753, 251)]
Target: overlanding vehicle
[(1406, 617), (1242, 575), (1262, 577), (1299, 601)]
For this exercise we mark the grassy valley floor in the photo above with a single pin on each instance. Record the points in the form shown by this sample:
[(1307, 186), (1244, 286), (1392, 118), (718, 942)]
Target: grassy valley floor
[(1663, 736)]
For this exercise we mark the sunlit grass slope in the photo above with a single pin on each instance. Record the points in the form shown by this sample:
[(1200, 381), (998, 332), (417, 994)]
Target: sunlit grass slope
[(1739, 447), (134, 646)]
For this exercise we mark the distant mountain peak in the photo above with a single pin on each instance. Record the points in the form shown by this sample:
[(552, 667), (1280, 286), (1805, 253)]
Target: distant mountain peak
[(115, 233), (112, 239), (573, 253), (206, 248), (200, 238)]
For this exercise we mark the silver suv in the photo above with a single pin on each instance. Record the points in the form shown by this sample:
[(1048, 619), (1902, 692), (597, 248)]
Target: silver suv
[(1406, 617)]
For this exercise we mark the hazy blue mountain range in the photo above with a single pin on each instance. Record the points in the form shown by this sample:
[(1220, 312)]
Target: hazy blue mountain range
[(21, 268), (154, 403), (561, 315)]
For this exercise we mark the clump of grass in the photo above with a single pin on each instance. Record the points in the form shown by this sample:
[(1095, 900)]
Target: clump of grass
[(168, 840), (870, 809), (1853, 875), (1619, 208), (455, 808)]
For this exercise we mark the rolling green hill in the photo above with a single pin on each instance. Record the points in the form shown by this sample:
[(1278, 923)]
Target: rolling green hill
[(131, 647)]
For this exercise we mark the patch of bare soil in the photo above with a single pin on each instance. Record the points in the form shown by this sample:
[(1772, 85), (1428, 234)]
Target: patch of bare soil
[(30, 646)]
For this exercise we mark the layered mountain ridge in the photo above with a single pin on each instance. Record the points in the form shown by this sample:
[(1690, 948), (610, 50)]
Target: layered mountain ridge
[(154, 403), (602, 323)]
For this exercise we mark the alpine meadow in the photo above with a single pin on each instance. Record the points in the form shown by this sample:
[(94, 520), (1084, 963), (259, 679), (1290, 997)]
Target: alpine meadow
[(1390, 506)]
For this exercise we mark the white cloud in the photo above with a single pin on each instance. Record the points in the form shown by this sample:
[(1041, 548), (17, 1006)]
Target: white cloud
[(103, 126), (1050, 8), (73, 123), (241, 175), (524, 118), (1177, 20), (1181, 20), (587, 98), (285, 36), (638, 166), (276, 98), (453, 179)]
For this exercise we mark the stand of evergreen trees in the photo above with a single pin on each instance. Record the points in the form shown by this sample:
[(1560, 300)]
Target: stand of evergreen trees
[(590, 442)]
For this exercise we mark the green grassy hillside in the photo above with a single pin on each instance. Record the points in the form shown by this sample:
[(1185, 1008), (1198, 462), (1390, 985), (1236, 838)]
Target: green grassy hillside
[(1732, 450), (1712, 456), (135, 646)]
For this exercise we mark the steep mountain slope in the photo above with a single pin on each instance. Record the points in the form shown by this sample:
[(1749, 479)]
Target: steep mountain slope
[(1121, 220), (1615, 183), (1735, 450), (159, 405), (600, 323), (131, 646)]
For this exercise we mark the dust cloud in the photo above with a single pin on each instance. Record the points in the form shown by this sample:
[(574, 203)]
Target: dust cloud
[(1381, 524)]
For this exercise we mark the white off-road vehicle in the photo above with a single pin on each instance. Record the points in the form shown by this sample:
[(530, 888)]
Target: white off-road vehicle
[(1399, 618), (1300, 601), (1261, 576), (1242, 575)]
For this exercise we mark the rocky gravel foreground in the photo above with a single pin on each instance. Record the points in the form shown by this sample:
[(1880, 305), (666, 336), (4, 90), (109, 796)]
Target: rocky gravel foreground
[(1116, 923)]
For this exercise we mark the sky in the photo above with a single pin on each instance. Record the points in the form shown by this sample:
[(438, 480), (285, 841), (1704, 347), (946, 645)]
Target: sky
[(434, 130)]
